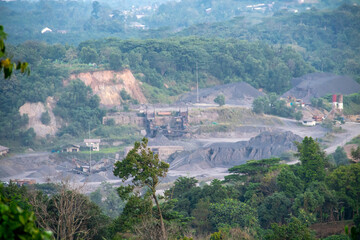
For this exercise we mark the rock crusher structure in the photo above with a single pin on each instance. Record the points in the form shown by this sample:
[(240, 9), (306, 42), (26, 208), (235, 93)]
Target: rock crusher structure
[(170, 124)]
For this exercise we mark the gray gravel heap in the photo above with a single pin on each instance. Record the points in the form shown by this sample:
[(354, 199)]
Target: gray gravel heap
[(315, 85)]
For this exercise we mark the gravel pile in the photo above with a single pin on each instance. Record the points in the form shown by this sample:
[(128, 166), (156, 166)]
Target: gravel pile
[(43, 171), (95, 178), (239, 93), (315, 85), (265, 145), (161, 140), (6, 171)]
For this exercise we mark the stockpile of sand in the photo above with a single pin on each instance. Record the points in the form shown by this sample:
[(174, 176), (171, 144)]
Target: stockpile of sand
[(239, 93), (315, 85)]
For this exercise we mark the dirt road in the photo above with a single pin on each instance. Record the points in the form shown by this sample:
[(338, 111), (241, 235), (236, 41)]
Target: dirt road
[(351, 130)]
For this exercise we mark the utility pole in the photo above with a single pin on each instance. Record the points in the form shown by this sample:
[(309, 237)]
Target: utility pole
[(197, 84), (90, 150)]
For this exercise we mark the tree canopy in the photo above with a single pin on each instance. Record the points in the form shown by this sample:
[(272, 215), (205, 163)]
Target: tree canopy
[(145, 168)]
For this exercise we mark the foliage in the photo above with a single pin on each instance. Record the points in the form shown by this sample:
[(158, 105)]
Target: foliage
[(270, 104), (220, 99), (255, 167), (355, 153), (145, 169), (337, 237), (67, 213), (88, 55), (136, 210), (290, 184), (321, 103), (228, 233), (312, 160), (201, 217), (355, 230), (108, 200), (352, 104), (295, 229), (325, 38), (173, 61), (17, 223), (6, 65), (318, 200), (340, 157), (78, 106), (45, 118), (233, 213), (345, 181), (274, 209), (182, 186)]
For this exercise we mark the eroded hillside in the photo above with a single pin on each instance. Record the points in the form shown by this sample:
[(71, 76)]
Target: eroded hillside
[(108, 84), (34, 112)]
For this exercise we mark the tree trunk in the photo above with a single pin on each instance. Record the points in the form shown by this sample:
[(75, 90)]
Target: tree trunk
[(161, 218)]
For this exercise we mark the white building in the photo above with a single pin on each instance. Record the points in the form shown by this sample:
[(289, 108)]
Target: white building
[(309, 122), (93, 143)]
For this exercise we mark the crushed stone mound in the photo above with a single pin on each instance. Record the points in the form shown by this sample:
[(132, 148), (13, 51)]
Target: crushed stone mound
[(161, 140), (315, 85), (95, 178), (240, 93), (44, 171), (265, 145), (6, 171)]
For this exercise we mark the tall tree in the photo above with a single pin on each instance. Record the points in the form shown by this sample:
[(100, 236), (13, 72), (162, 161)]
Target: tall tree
[(355, 153), (145, 170), (17, 222), (340, 157), (345, 180), (312, 160), (295, 229), (68, 213)]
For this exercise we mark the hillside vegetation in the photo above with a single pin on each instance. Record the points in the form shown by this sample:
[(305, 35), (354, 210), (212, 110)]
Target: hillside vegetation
[(328, 40), (171, 64), (166, 67), (260, 199)]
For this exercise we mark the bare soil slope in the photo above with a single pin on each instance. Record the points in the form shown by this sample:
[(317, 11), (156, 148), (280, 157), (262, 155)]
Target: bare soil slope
[(108, 84), (34, 112)]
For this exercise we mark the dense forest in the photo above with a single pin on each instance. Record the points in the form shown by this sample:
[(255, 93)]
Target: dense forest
[(262, 199), (72, 22), (326, 39)]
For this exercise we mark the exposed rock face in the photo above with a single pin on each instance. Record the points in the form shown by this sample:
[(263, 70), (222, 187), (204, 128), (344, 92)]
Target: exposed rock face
[(265, 145), (108, 84), (34, 112)]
